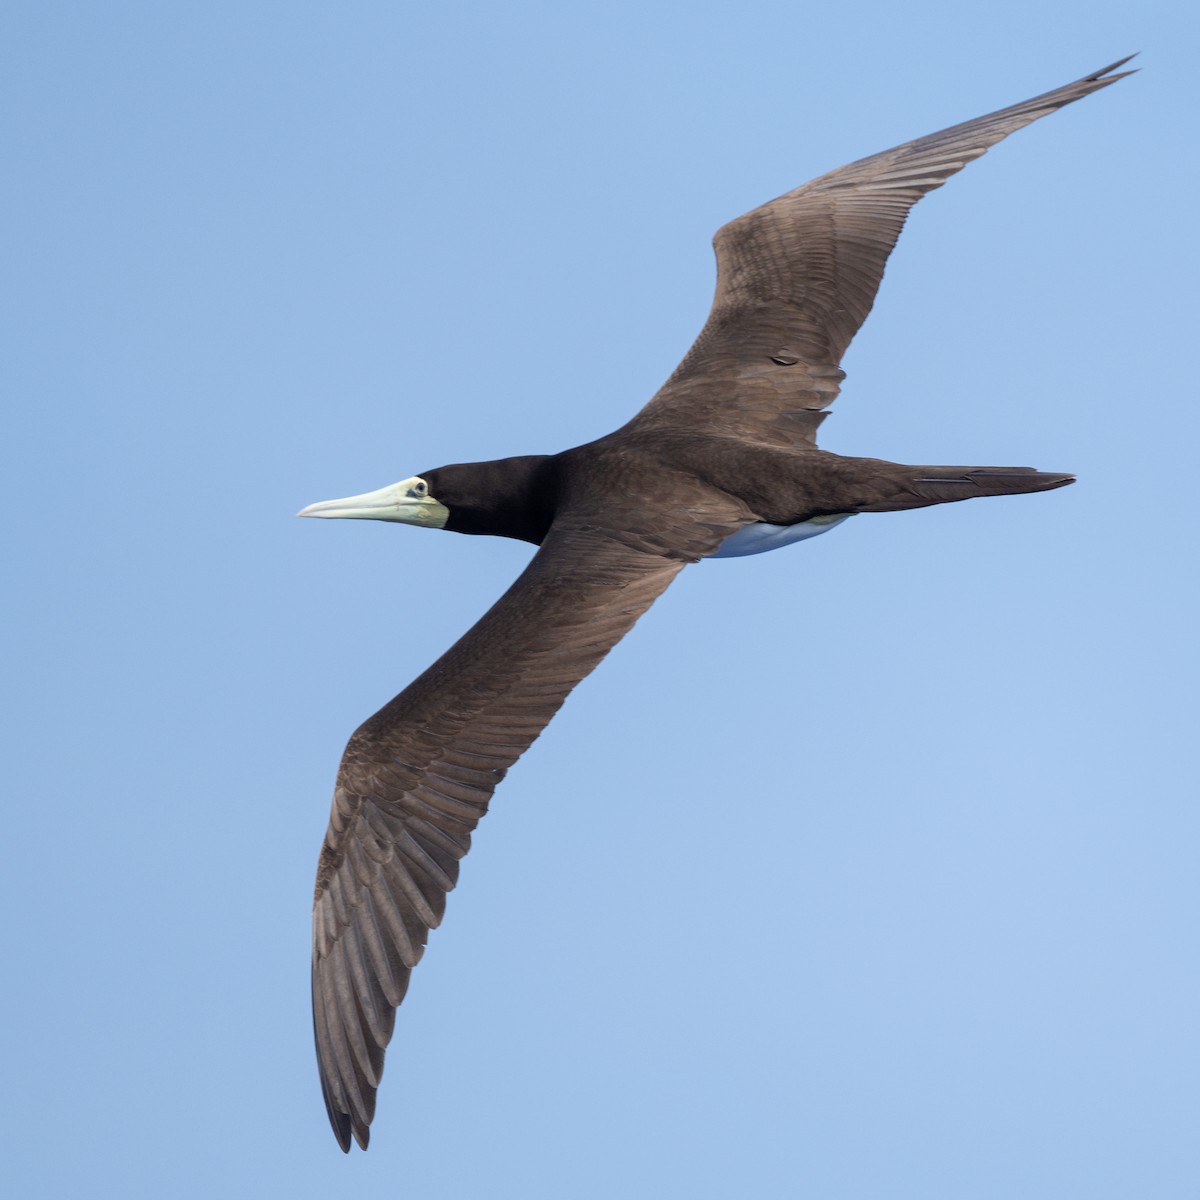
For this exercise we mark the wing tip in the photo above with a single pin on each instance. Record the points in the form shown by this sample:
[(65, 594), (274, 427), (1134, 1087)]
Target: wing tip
[(342, 1123), (1093, 82), (1096, 76), (1103, 77), (345, 1127), (362, 1135), (339, 1121)]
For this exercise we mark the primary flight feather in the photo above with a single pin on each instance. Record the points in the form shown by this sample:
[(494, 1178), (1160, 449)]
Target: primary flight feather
[(723, 461)]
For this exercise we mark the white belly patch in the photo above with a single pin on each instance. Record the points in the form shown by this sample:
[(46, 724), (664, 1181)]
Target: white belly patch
[(758, 539)]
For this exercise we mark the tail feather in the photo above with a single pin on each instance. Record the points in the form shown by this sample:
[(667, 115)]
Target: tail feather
[(922, 486)]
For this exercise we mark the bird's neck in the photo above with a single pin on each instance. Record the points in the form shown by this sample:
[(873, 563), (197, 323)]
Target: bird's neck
[(509, 497)]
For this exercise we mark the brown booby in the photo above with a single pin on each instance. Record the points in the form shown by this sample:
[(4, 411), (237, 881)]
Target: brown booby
[(723, 461)]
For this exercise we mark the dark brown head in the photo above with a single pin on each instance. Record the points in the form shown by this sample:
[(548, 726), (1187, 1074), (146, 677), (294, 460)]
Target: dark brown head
[(510, 497)]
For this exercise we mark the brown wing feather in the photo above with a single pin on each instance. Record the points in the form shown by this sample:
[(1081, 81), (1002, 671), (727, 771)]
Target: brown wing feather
[(417, 777), (797, 277)]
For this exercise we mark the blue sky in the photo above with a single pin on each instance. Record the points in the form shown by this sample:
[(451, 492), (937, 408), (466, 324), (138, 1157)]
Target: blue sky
[(866, 868)]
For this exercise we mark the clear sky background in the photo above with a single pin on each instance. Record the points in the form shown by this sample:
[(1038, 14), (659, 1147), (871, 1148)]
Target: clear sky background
[(862, 869)]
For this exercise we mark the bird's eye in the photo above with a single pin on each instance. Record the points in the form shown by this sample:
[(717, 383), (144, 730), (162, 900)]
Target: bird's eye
[(421, 488)]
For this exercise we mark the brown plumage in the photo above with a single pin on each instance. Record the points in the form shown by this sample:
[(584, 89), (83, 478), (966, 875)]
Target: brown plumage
[(726, 450)]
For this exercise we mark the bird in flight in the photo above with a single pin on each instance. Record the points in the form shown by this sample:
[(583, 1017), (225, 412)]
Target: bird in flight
[(722, 462)]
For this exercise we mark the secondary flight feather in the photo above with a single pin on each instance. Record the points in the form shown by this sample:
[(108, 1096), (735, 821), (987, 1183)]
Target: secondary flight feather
[(722, 462)]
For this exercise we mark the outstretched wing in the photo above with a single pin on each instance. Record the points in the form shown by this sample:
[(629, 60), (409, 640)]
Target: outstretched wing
[(797, 277), (417, 777)]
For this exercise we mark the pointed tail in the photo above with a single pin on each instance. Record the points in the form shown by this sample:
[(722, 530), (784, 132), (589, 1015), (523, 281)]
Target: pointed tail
[(922, 486)]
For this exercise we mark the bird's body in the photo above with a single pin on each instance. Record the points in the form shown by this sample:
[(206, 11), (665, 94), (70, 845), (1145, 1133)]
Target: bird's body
[(723, 462)]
